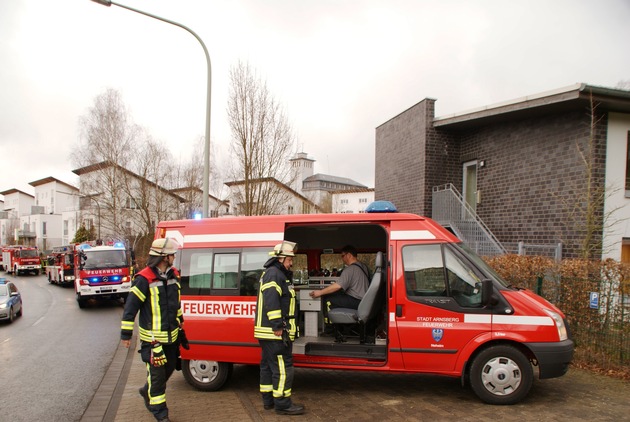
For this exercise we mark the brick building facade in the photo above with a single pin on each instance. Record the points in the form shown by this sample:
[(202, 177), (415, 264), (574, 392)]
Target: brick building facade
[(526, 159)]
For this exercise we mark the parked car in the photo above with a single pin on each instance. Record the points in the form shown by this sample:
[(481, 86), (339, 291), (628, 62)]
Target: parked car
[(10, 300)]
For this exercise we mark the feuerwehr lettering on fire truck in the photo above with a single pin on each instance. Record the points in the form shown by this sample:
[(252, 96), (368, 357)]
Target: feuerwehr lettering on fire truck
[(218, 309)]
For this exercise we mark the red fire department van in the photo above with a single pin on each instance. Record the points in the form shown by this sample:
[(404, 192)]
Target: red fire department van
[(21, 259), (433, 306), (101, 272)]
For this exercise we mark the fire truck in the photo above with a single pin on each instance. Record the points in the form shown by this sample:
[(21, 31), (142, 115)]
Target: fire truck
[(101, 272), (60, 265), (18, 260)]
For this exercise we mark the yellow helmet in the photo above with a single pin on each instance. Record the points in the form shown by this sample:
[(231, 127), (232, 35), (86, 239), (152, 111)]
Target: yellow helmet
[(163, 247), (285, 248)]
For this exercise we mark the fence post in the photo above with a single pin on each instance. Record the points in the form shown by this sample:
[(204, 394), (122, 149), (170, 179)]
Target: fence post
[(521, 248), (539, 282)]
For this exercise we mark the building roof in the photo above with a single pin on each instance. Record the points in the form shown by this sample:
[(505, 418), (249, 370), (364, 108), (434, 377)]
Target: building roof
[(194, 189), (319, 177), (105, 164), (353, 190), (571, 98), (277, 182), (13, 190), (50, 179)]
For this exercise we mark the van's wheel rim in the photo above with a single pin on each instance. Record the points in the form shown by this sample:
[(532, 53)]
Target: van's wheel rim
[(204, 371), (501, 376)]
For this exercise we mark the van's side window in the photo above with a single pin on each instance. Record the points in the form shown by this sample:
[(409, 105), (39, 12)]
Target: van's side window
[(434, 270), (216, 272), (200, 266), (424, 270), (225, 273), (252, 262)]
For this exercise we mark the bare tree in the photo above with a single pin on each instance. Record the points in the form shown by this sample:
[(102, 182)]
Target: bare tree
[(108, 132), (262, 141), (125, 173), (623, 84)]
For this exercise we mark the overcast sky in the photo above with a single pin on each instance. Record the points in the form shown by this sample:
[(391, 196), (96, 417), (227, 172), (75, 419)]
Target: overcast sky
[(340, 68)]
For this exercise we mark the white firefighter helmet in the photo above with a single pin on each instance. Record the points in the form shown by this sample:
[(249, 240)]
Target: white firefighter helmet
[(285, 248), (163, 247)]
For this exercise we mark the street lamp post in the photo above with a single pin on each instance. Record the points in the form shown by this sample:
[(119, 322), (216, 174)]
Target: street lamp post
[(206, 149)]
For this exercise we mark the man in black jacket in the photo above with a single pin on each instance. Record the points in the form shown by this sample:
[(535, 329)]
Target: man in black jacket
[(275, 328), (156, 295)]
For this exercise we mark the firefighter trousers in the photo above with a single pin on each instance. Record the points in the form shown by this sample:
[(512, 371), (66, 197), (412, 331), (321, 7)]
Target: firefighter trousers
[(158, 376), (276, 373)]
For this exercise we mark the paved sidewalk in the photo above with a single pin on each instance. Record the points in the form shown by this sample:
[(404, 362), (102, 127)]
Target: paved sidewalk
[(117, 398), (356, 396)]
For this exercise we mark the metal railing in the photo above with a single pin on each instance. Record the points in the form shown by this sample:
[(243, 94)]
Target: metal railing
[(451, 210)]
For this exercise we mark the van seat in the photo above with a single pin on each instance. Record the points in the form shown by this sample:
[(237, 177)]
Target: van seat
[(369, 305)]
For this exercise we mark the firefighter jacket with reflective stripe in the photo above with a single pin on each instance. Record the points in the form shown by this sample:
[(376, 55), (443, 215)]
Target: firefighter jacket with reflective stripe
[(275, 307), (157, 298)]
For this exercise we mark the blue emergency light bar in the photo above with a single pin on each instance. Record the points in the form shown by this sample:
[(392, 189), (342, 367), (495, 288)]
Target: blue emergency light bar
[(381, 206)]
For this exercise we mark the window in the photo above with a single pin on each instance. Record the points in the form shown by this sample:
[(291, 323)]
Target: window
[(225, 274), (131, 203), (344, 201), (433, 270), (290, 209), (362, 200), (221, 272)]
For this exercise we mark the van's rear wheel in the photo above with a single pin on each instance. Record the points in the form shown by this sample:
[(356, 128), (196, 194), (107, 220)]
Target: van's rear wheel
[(206, 375), (501, 375)]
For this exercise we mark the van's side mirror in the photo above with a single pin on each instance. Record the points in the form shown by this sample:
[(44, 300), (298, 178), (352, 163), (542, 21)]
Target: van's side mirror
[(487, 289)]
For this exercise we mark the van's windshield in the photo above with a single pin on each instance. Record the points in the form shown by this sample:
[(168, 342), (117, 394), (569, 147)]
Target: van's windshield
[(481, 264)]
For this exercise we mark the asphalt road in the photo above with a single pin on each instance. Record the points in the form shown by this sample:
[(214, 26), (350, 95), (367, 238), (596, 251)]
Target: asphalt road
[(54, 356)]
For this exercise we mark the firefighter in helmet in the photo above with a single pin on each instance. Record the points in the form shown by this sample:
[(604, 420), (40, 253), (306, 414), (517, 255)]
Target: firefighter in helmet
[(156, 295), (275, 328)]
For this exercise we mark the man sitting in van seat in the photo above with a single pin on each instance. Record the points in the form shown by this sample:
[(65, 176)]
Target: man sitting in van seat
[(348, 291)]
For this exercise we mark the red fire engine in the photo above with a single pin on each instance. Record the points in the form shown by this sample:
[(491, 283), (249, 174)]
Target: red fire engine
[(60, 265), (101, 272), (21, 259)]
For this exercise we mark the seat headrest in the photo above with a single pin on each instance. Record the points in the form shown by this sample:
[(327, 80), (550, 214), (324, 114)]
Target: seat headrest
[(378, 261)]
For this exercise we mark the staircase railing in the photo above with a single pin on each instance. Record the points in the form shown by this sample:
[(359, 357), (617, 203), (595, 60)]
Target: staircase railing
[(451, 210)]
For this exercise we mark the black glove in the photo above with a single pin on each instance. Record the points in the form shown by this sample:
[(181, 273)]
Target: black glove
[(183, 341), (158, 358), (285, 338)]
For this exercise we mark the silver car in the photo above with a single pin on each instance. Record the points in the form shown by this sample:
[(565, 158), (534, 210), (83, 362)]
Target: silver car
[(10, 300)]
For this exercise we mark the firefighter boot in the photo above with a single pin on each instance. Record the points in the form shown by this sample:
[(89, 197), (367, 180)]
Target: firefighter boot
[(294, 409)]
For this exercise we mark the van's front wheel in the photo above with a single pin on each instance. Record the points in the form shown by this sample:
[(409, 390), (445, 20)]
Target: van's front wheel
[(206, 375), (501, 375)]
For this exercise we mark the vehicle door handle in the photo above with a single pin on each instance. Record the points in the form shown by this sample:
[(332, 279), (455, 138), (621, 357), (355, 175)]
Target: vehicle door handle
[(399, 309)]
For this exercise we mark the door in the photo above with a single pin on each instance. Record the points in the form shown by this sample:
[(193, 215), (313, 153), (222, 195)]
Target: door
[(470, 186), (438, 306)]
